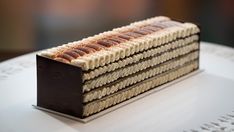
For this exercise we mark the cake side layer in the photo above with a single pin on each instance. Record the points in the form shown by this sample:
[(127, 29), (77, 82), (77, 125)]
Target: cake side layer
[(158, 59), (135, 90), (161, 68), (137, 66)]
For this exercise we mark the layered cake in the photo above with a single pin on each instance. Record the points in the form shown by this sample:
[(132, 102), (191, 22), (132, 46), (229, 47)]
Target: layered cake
[(85, 77)]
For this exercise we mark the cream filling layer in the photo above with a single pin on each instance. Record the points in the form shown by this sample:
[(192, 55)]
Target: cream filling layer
[(135, 90), (156, 60), (137, 57), (102, 92)]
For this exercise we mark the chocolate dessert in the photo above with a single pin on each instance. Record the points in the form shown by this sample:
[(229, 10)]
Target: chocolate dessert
[(85, 77)]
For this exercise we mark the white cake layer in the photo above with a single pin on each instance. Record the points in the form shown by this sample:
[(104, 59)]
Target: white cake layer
[(102, 92), (159, 59), (135, 90)]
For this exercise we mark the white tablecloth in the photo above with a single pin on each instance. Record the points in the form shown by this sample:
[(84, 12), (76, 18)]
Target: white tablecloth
[(189, 105)]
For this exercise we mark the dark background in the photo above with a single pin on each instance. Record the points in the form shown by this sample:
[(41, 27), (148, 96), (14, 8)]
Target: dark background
[(29, 25)]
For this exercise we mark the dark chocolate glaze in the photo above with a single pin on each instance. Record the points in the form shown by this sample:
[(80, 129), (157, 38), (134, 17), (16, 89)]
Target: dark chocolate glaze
[(59, 87), (107, 42), (78, 51)]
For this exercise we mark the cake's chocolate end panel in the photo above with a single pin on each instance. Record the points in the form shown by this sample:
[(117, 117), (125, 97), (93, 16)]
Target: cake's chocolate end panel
[(59, 86), (199, 42)]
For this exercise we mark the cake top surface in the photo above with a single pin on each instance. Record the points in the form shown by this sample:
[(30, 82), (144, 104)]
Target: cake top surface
[(107, 47)]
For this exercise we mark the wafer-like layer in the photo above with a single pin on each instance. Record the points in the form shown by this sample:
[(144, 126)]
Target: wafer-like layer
[(135, 90), (104, 91), (111, 46), (159, 59), (137, 57)]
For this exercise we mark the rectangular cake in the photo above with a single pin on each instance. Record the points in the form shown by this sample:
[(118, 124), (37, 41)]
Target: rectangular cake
[(85, 77)]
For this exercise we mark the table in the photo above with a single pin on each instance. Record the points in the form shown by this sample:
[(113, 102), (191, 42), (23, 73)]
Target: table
[(202, 102)]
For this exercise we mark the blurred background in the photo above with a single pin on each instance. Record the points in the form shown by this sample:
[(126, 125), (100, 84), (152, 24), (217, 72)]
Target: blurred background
[(30, 25)]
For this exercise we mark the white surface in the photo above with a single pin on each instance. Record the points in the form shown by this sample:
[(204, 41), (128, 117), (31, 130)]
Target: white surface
[(184, 106)]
